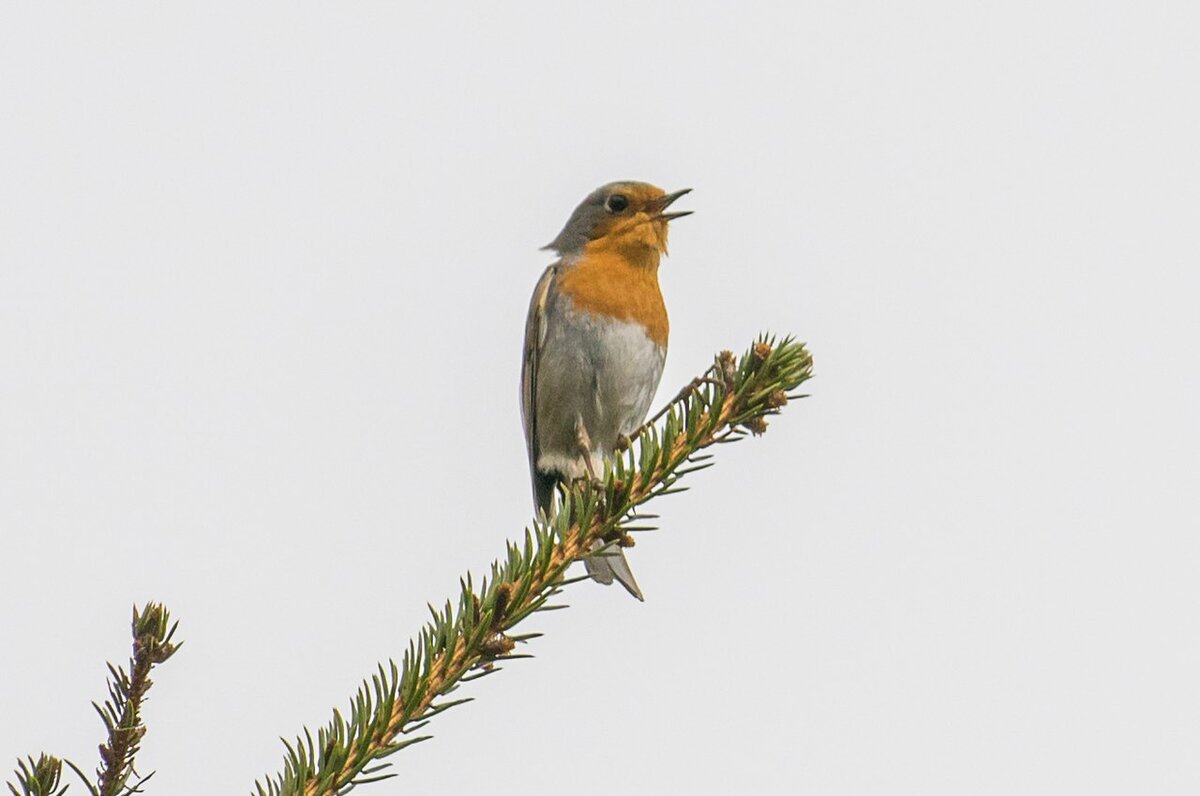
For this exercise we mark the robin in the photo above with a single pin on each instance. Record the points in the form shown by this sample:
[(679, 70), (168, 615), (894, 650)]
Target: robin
[(595, 344)]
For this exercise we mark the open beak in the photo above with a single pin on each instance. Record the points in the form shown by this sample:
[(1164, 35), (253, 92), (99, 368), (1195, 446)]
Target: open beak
[(664, 202)]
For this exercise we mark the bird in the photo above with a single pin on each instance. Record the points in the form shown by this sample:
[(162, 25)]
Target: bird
[(595, 345)]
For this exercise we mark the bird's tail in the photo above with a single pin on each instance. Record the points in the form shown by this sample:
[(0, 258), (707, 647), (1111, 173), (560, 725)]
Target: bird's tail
[(610, 565), (604, 567)]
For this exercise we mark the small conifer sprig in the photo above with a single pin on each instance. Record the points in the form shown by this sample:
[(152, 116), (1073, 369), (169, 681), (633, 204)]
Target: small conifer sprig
[(121, 714), (38, 777), (467, 639)]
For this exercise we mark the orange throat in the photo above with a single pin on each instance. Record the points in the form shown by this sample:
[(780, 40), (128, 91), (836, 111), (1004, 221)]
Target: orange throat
[(621, 282)]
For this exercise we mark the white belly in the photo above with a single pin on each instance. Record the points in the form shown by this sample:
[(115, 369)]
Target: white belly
[(600, 372)]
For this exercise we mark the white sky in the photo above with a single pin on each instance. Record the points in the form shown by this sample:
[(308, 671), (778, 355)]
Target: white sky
[(263, 275)]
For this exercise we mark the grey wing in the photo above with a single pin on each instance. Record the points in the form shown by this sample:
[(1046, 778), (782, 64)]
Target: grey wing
[(535, 337)]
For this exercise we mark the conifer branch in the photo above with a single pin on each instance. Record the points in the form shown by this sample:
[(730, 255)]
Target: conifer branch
[(465, 640), (121, 714)]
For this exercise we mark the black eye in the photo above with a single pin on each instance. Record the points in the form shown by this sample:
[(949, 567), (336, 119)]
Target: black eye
[(616, 203)]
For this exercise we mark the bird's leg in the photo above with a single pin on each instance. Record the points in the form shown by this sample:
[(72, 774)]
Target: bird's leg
[(585, 446)]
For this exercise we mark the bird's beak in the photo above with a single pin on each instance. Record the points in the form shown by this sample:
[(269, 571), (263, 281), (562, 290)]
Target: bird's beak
[(663, 202)]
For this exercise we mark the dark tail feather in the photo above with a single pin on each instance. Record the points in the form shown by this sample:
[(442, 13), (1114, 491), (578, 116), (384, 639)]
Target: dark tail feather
[(543, 490)]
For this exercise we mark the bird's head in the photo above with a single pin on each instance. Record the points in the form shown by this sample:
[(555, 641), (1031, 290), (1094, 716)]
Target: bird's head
[(630, 217)]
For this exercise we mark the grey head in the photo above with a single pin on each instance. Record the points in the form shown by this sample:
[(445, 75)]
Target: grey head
[(613, 209)]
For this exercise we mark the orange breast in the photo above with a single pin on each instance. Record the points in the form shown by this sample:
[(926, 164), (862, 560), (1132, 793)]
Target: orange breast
[(607, 283)]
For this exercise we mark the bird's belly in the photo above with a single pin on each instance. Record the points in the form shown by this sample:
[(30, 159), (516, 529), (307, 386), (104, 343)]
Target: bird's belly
[(598, 372)]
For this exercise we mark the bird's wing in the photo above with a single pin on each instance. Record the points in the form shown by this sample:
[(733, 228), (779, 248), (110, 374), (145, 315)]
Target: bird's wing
[(535, 336)]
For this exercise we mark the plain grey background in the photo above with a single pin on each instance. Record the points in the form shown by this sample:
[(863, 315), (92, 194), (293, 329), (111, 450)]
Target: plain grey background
[(263, 276)]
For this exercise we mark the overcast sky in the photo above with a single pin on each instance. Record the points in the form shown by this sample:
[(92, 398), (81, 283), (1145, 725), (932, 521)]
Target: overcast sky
[(263, 277)]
